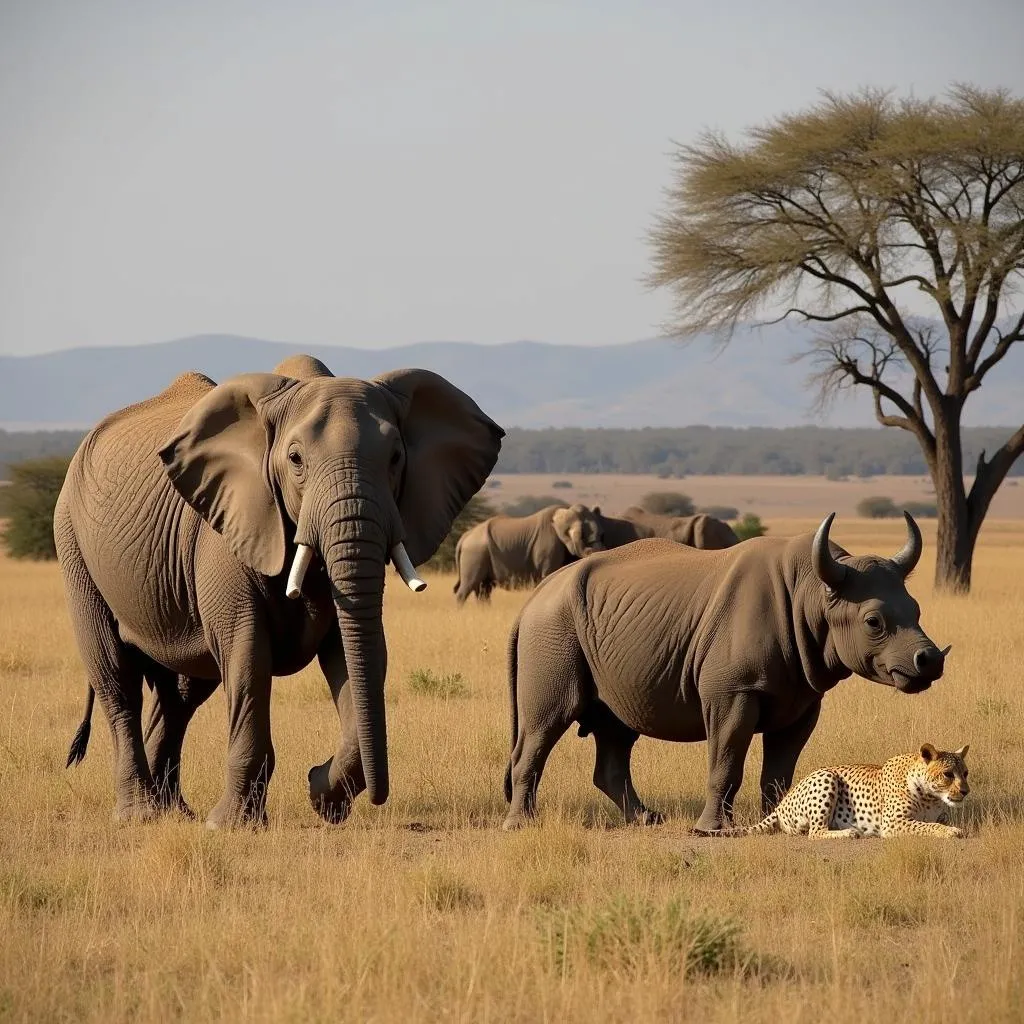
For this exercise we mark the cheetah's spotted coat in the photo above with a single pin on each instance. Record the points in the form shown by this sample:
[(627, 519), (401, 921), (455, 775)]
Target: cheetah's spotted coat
[(909, 794)]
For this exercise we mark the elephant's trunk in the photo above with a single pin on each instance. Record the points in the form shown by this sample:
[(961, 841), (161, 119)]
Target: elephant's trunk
[(354, 548)]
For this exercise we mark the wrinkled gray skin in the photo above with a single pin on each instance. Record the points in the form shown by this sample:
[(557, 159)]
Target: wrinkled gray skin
[(514, 550), (177, 523), (699, 531), (659, 639)]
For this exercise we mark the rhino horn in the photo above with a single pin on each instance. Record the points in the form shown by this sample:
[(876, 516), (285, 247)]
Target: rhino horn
[(829, 571), (910, 554)]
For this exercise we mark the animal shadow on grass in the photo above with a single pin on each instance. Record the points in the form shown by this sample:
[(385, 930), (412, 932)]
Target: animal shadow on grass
[(598, 813)]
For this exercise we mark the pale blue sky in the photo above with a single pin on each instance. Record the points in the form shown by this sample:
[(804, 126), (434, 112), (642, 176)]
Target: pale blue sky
[(381, 173)]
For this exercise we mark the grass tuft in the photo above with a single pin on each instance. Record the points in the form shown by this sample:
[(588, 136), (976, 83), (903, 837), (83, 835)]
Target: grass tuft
[(427, 683), (627, 934)]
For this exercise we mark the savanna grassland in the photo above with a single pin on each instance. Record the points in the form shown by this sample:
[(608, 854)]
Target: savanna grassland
[(425, 910)]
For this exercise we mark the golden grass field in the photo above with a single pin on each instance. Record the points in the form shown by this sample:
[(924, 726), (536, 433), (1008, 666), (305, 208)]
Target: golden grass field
[(425, 910)]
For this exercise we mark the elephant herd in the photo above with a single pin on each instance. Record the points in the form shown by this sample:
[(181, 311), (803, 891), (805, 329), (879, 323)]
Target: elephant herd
[(224, 534), (514, 550)]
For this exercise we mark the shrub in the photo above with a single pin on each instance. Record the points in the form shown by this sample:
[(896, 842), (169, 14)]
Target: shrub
[(477, 509), (723, 512), (630, 935), (447, 893), (429, 684), (878, 507), (530, 503), (29, 501), (667, 503), (921, 509), (561, 484), (749, 526)]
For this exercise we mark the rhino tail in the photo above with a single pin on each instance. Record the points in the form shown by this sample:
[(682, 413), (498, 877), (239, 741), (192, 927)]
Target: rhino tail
[(80, 743)]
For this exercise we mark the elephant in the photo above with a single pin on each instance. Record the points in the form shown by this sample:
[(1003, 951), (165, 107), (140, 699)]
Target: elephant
[(699, 531), (174, 529), (616, 531), (511, 550), (659, 639)]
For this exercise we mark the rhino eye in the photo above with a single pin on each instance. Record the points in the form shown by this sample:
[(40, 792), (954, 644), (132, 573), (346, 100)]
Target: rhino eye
[(873, 621)]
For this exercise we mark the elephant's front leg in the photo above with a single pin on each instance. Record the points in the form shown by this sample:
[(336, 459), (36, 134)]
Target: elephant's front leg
[(782, 749), (730, 722), (250, 763), (334, 784), (176, 700)]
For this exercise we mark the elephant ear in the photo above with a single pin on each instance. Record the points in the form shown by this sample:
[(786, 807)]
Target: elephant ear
[(218, 461), (451, 446), (562, 520)]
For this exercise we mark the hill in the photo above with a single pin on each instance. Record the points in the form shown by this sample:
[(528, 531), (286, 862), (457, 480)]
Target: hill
[(652, 383)]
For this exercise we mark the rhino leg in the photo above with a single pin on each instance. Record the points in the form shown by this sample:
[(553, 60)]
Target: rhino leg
[(782, 749), (730, 722), (612, 774)]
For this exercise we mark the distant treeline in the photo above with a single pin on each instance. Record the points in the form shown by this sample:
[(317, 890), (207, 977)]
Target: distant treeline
[(686, 451), (666, 452), (17, 446)]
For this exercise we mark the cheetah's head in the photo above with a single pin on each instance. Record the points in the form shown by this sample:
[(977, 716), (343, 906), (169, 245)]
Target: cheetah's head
[(945, 774)]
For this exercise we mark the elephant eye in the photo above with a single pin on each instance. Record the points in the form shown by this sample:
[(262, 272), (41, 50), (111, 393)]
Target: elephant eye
[(396, 455), (295, 457)]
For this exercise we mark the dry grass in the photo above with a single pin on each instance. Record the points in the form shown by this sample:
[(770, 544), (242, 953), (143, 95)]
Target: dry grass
[(424, 910)]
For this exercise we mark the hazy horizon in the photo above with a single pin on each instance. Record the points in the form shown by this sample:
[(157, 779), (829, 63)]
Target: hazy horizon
[(377, 176)]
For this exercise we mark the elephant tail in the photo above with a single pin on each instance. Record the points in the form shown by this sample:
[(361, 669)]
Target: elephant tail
[(513, 689), (81, 741), (458, 565)]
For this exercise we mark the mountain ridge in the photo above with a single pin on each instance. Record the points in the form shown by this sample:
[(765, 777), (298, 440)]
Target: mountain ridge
[(652, 382)]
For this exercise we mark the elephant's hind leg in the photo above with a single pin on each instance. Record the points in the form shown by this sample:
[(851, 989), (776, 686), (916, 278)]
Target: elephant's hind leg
[(176, 700), (475, 577), (612, 774), (114, 670)]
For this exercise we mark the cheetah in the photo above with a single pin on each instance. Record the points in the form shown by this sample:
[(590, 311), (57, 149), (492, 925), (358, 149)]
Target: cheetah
[(908, 795)]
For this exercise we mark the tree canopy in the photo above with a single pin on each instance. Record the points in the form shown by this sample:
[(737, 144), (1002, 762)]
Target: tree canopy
[(860, 214)]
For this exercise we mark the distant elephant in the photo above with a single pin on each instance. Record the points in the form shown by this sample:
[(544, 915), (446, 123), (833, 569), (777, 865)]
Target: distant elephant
[(175, 527), (616, 531), (699, 531), (510, 550)]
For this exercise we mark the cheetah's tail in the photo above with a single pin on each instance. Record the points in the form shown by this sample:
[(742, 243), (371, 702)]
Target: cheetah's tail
[(764, 827)]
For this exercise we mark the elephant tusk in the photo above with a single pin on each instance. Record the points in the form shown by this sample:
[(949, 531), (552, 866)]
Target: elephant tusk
[(405, 568), (303, 556)]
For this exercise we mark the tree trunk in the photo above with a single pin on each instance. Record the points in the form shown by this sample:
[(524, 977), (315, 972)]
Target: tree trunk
[(956, 532)]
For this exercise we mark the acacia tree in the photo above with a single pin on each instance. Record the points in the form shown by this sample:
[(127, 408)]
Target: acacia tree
[(853, 215)]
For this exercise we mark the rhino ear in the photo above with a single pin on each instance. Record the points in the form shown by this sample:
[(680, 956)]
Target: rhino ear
[(928, 753)]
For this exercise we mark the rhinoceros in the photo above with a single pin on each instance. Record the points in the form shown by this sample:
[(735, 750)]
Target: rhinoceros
[(657, 639)]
